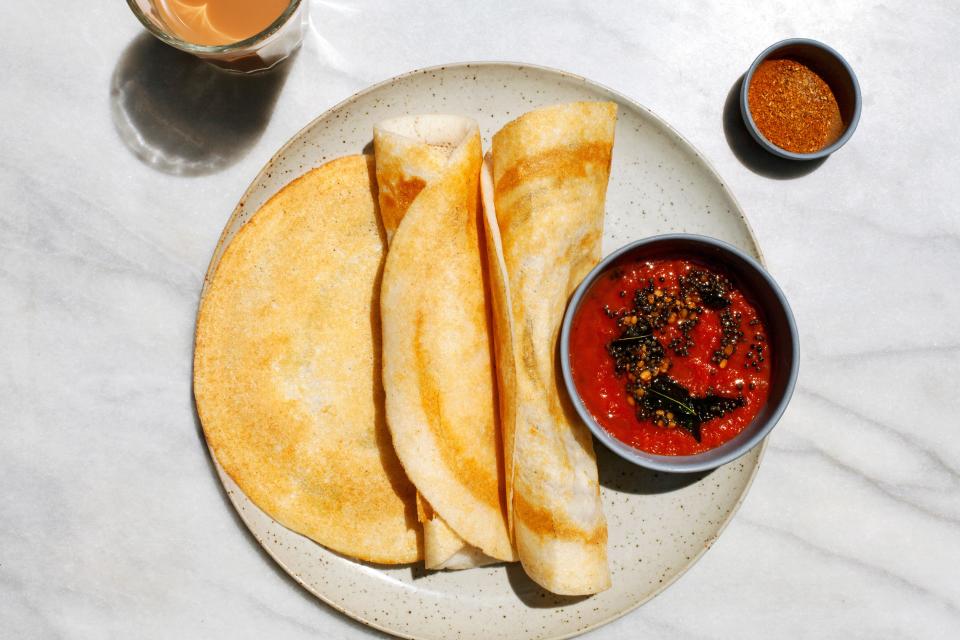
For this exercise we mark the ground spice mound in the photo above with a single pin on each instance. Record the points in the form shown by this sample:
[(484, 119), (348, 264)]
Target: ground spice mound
[(793, 107)]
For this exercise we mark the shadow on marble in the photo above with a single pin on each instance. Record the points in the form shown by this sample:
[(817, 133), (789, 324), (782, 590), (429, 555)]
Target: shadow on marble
[(532, 594), (182, 116), (270, 562), (752, 155), (625, 477)]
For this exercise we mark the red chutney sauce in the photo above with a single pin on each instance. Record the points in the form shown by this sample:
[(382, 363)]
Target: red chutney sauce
[(669, 356)]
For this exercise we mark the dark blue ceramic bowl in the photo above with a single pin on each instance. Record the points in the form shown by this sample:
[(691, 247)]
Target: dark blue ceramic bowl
[(763, 292)]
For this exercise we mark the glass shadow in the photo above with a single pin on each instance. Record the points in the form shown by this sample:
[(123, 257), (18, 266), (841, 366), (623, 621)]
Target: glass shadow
[(183, 116)]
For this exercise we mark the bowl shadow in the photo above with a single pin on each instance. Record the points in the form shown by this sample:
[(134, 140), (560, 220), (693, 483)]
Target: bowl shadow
[(623, 476), (752, 155), (182, 116)]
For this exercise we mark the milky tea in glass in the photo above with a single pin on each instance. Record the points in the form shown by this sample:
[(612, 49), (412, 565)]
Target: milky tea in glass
[(242, 36)]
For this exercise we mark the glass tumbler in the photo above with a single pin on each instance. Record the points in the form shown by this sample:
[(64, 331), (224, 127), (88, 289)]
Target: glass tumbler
[(256, 53)]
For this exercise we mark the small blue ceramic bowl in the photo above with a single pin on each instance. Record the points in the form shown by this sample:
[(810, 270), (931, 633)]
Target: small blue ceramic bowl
[(763, 292), (830, 66)]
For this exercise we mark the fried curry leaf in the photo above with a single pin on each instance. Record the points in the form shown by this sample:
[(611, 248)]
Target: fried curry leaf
[(689, 412)]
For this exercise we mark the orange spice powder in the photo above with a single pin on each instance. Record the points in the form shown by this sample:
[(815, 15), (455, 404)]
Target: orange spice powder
[(793, 107)]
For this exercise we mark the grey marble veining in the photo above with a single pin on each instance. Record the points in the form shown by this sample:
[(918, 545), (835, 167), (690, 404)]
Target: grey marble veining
[(112, 523)]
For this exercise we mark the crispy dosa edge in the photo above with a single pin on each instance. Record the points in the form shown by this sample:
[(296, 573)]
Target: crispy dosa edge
[(466, 494), (392, 535), (502, 322), (563, 151), (411, 151)]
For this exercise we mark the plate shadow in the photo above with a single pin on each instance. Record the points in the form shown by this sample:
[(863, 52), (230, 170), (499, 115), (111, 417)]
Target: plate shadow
[(752, 155), (183, 116)]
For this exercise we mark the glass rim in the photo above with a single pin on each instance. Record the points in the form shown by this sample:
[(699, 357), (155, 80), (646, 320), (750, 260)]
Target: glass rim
[(191, 47)]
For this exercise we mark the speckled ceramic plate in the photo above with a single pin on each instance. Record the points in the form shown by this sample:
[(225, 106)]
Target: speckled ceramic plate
[(659, 524)]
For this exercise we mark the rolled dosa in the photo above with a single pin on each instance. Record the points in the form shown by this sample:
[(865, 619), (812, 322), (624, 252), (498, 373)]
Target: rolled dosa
[(287, 367), (544, 187), (437, 338)]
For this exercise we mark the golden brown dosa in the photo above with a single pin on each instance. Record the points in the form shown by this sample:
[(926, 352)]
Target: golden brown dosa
[(543, 194), (437, 339), (287, 367), (410, 152)]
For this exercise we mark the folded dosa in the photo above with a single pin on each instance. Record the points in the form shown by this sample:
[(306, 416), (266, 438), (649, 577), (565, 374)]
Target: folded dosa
[(544, 187), (287, 367), (437, 338), (410, 152)]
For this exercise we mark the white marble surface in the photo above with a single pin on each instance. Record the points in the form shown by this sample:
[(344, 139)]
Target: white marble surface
[(112, 523)]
